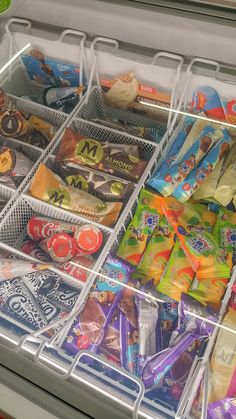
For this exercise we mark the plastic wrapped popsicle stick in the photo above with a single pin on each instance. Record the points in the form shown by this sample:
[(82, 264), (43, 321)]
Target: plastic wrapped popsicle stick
[(225, 234), (178, 275), (207, 189), (199, 174), (199, 245), (157, 253), (167, 181), (143, 223)]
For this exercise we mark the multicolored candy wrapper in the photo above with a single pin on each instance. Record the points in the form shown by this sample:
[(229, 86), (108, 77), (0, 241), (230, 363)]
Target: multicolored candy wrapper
[(18, 302), (129, 339), (88, 330), (199, 245), (206, 99), (110, 346), (178, 275), (200, 173), (156, 254), (225, 409), (177, 140), (208, 188), (167, 181), (222, 376), (168, 315), (142, 225), (225, 234), (189, 311), (196, 329)]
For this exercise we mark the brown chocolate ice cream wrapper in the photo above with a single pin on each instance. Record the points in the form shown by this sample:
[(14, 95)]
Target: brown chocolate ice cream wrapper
[(78, 149), (48, 187)]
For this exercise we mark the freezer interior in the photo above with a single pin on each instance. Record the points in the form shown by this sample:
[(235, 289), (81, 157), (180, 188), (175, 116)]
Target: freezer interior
[(117, 222)]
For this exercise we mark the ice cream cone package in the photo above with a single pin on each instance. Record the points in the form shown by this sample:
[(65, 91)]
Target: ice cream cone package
[(78, 149), (48, 187), (167, 181), (199, 244), (142, 225), (156, 254), (199, 174)]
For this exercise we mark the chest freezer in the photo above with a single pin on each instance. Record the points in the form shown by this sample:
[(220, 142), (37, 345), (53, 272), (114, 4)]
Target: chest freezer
[(115, 296)]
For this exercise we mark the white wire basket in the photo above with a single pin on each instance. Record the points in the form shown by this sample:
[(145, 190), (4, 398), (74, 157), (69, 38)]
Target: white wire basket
[(161, 72), (20, 37)]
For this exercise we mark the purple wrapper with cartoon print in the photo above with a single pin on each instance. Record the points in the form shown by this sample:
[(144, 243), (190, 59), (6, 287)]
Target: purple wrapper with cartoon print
[(18, 302), (90, 326), (188, 309), (225, 409), (110, 346), (129, 345), (168, 315)]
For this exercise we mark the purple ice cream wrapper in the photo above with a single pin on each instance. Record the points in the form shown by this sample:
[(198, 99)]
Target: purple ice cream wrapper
[(18, 302), (168, 315), (223, 409), (110, 346), (129, 345), (90, 326)]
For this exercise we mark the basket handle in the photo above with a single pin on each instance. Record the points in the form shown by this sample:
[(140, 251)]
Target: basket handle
[(27, 23), (67, 374), (107, 41)]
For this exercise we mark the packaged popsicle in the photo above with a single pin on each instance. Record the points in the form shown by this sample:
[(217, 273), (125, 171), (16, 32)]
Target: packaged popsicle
[(78, 149), (129, 339), (222, 382), (143, 223), (226, 187), (167, 181), (178, 275), (102, 185), (168, 315), (14, 165), (110, 346), (207, 216), (89, 328), (199, 245), (225, 234), (225, 409), (50, 188), (157, 253), (208, 188), (200, 173)]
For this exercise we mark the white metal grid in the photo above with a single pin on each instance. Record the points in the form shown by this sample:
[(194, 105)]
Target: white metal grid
[(95, 108)]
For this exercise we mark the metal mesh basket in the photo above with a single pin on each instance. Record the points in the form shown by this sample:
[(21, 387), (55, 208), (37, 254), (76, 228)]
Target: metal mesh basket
[(95, 108), (19, 84), (13, 228)]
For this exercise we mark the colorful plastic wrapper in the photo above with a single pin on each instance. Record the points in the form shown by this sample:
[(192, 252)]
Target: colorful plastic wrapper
[(167, 181), (88, 329), (147, 328), (39, 227), (32, 248), (78, 272), (129, 338), (206, 99), (14, 165), (110, 346), (225, 234), (50, 188), (168, 315), (207, 216), (199, 245), (208, 291), (200, 173), (64, 98), (149, 133), (226, 188), (178, 275), (18, 302), (225, 409), (10, 268), (13, 124), (208, 188), (102, 185), (222, 378), (142, 225), (157, 253), (43, 126), (177, 140), (105, 157), (125, 92), (157, 366)]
